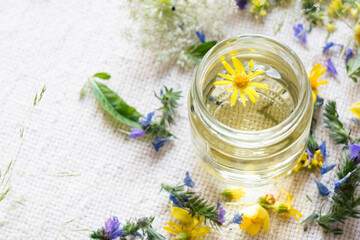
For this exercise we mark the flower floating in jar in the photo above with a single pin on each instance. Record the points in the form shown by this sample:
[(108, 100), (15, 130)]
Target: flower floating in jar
[(240, 81)]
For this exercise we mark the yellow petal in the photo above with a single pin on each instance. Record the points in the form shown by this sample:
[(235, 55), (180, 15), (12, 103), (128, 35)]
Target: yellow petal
[(253, 229), (259, 85), (355, 109), (170, 230), (322, 83), (234, 96), (230, 89), (238, 66), (242, 96), (255, 74), (251, 64), (314, 96), (251, 97), (228, 68), (201, 231), (223, 82), (227, 76), (253, 92), (174, 225), (287, 194), (181, 214)]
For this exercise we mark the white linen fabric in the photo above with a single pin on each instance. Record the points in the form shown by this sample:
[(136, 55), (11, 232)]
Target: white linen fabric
[(76, 168)]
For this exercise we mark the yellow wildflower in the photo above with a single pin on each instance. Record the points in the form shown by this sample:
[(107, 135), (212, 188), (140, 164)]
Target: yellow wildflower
[(286, 208), (315, 73), (240, 81), (357, 31), (259, 7), (253, 218), (233, 193), (189, 229), (330, 27), (355, 109), (303, 160), (270, 199), (317, 159), (336, 8)]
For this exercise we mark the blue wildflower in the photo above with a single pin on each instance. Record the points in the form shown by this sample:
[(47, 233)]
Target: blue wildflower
[(323, 190), (237, 219), (188, 181), (340, 182), (330, 67), (175, 202), (310, 155), (146, 121), (322, 148), (241, 4), (160, 142), (354, 150), (222, 212), (201, 36), (329, 45), (319, 100), (349, 54), (356, 121), (300, 33), (135, 133), (325, 167), (112, 228)]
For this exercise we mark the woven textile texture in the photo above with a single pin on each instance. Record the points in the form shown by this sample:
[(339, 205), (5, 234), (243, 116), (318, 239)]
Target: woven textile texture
[(76, 168)]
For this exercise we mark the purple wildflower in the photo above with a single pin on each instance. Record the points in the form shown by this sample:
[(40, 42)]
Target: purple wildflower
[(135, 133), (349, 54), (322, 148), (340, 182), (319, 100), (329, 45), (160, 142), (188, 181), (325, 167), (112, 228), (146, 121), (354, 150), (241, 4), (310, 155), (221, 218), (356, 121), (175, 202), (237, 218), (330, 67), (300, 33), (323, 190), (201, 36)]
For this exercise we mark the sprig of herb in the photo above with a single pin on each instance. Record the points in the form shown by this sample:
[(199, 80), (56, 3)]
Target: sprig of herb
[(5, 178), (353, 67), (344, 201), (141, 228), (194, 203), (314, 14), (334, 124)]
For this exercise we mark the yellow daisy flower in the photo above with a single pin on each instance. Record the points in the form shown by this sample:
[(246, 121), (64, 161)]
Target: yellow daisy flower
[(357, 31), (253, 218), (355, 109), (189, 228), (233, 193), (240, 81), (303, 160), (286, 208), (315, 73), (317, 159)]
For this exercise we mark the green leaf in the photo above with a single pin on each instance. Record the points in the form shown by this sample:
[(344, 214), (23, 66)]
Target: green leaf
[(197, 53), (353, 67), (310, 218), (102, 75), (113, 104)]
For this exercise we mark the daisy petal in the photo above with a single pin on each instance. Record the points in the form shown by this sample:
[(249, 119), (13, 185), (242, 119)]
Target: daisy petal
[(223, 82), (251, 97), (238, 66), (170, 230), (230, 89), (227, 76), (251, 64), (255, 74), (229, 68), (243, 98), (234, 96), (253, 92), (174, 225), (259, 85)]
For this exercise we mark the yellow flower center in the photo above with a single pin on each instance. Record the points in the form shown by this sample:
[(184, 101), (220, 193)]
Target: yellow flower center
[(241, 81)]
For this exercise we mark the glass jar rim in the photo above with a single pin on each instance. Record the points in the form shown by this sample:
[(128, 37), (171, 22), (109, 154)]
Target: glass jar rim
[(304, 96)]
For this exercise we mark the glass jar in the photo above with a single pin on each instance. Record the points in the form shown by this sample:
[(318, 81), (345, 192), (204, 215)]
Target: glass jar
[(250, 156)]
